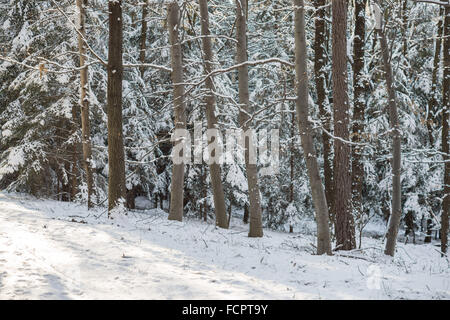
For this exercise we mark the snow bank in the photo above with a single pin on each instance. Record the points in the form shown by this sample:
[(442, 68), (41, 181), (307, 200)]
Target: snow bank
[(55, 250)]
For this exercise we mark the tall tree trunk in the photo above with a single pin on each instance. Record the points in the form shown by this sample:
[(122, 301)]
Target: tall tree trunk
[(74, 173), (143, 39), (291, 164), (359, 104), (84, 104), (66, 185), (116, 155), (434, 77), (344, 224), (445, 138), (210, 102), (394, 220), (404, 17), (318, 195), (251, 168), (177, 185), (320, 76)]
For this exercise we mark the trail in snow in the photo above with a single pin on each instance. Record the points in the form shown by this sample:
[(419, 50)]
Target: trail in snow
[(46, 253)]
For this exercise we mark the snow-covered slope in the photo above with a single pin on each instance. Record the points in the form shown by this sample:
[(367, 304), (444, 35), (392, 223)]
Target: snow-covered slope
[(54, 250)]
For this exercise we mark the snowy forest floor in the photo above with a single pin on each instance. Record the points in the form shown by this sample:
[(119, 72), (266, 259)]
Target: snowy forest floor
[(57, 250)]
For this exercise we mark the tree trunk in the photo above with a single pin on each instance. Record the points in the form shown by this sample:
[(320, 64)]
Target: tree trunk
[(116, 156), (359, 104), (427, 238), (246, 214), (251, 168), (177, 185), (66, 185), (404, 17), (84, 104), (291, 165), (394, 220), (434, 77), (320, 75), (318, 195), (130, 198), (74, 173), (210, 102), (344, 224), (142, 41), (445, 138)]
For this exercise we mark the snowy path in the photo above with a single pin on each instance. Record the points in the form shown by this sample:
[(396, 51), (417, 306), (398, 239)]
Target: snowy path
[(44, 255)]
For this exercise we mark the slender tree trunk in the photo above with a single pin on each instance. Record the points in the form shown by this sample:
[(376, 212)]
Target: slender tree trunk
[(246, 214), (58, 186), (74, 178), (404, 16), (434, 100), (291, 164), (394, 220), (143, 39), (359, 105), (210, 102), (66, 185), (320, 75), (344, 224), (445, 137), (84, 104), (177, 185), (74, 173), (116, 156), (130, 198), (252, 170), (428, 237), (318, 195)]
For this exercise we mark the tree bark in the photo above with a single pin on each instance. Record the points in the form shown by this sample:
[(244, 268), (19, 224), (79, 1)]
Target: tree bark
[(74, 174), (210, 102), (434, 100), (394, 220), (359, 105), (320, 76), (252, 170), (84, 104), (246, 214), (344, 224), (177, 184), (404, 17), (445, 138), (116, 156), (318, 195), (143, 39), (291, 164)]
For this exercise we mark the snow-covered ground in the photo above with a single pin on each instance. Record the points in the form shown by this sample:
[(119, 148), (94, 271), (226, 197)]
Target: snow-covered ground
[(54, 250)]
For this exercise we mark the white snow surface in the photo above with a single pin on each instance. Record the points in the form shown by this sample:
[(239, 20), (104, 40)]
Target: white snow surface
[(46, 252)]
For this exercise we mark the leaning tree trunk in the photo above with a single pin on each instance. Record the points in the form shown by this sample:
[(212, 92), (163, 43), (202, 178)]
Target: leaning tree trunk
[(320, 75), (359, 104), (394, 220), (344, 224), (244, 119), (84, 103), (305, 128), (210, 101), (116, 156), (177, 184), (445, 138)]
